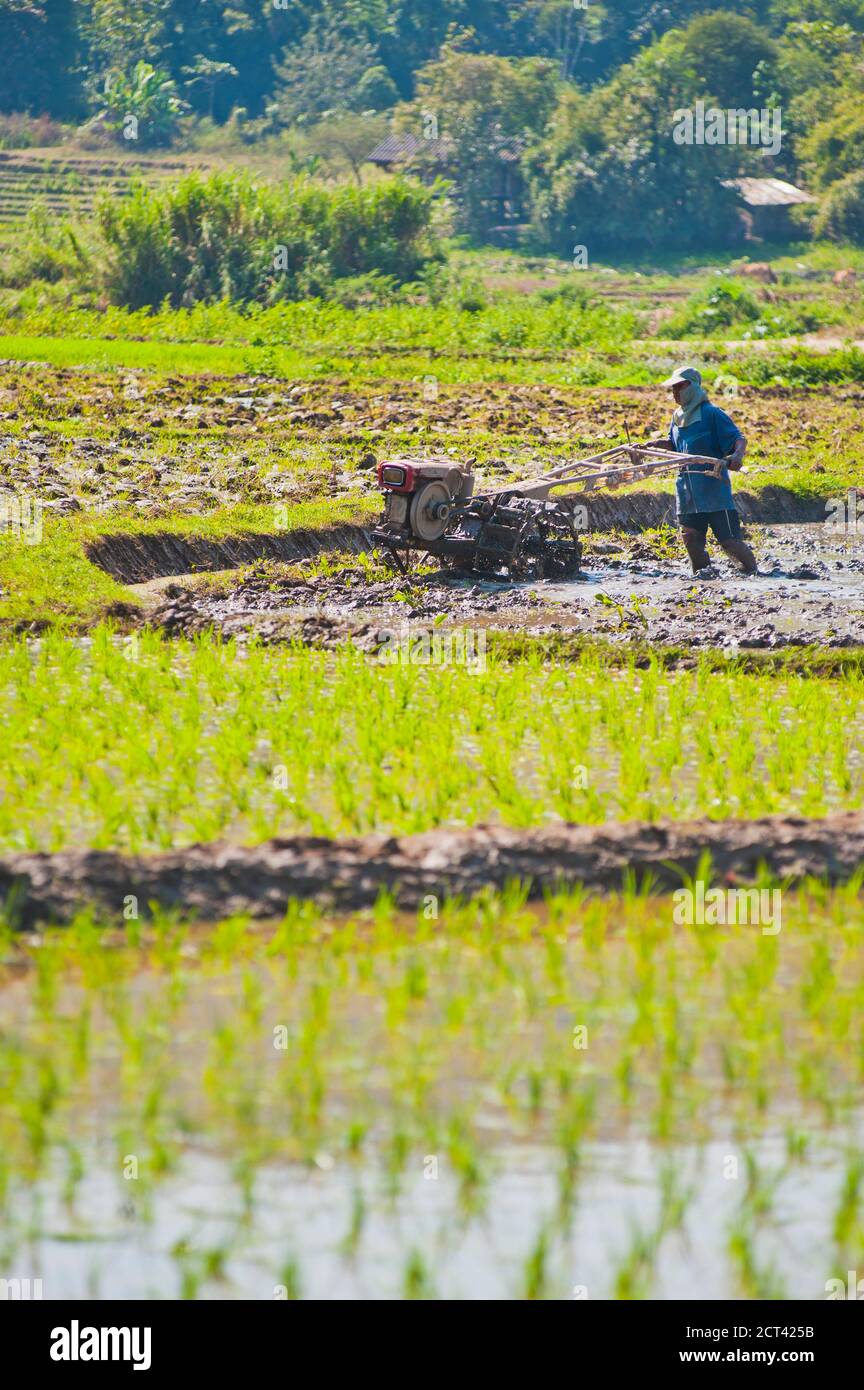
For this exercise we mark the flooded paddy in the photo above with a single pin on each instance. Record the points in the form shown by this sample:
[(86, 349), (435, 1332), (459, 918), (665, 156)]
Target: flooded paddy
[(589, 1098)]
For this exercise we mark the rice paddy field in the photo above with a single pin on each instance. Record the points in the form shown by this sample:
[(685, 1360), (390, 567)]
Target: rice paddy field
[(539, 1092), (581, 1099), (157, 745)]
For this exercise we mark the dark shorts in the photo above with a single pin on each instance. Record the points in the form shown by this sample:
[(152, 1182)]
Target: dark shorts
[(725, 525)]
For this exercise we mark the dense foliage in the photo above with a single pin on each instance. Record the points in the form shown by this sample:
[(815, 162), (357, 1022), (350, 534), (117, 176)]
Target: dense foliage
[(548, 112), (62, 50), (227, 238)]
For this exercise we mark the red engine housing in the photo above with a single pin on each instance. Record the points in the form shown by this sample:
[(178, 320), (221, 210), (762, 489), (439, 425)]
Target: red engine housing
[(402, 477)]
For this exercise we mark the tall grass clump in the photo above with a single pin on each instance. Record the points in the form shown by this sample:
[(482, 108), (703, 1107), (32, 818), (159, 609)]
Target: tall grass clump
[(714, 307), (225, 237), (48, 250)]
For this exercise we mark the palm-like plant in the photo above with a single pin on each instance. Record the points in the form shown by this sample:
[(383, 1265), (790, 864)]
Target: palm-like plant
[(150, 97)]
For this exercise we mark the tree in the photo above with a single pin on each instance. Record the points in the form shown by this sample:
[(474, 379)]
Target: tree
[(833, 11), (118, 35), (841, 216), (143, 104), (376, 90), (324, 71), (725, 50), (568, 33), (351, 135), (835, 145), (39, 46), (609, 173), (208, 73), (481, 110)]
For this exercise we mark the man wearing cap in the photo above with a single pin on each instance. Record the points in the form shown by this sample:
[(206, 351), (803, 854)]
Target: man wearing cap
[(704, 490)]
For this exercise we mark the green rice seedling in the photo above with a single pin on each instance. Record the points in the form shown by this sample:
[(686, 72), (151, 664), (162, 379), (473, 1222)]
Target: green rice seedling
[(635, 1269), (213, 1263), (289, 1285), (797, 1145), (228, 940), (675, 1198), (351, 1240), (384, 912), (563, 905), (416, 1280), (356, 1136), (754, 1279), (296, 929), (188, 1269), (535, 1275), (398, 1150), (848, 1226), (74, 1174), (464, 1157), (244, 1174), (573, 1131)]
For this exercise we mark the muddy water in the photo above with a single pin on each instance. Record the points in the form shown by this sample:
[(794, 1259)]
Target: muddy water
[(810, 589), (106, 1250)]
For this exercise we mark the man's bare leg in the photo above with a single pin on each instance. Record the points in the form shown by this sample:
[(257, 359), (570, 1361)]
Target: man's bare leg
[(742, 553), (695, 543)]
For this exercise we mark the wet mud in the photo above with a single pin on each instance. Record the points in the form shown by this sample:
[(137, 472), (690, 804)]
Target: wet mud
[(135, 559), (809, 591), (217, 880), (113, 442)]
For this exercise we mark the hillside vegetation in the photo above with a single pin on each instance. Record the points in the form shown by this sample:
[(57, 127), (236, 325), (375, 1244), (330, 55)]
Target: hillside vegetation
[(554, 120)]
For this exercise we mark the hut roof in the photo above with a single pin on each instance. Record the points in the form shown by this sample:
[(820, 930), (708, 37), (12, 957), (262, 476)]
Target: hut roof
[(768, 193)]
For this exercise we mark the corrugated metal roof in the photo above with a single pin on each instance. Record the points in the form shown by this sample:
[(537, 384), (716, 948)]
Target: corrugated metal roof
[(405, 145), (765, 193)]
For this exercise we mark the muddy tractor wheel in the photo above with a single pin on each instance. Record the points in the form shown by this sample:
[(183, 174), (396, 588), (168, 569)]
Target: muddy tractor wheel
[(563, 566)]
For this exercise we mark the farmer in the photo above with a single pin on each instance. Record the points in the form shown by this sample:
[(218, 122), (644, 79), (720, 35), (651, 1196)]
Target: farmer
[(704, 490)]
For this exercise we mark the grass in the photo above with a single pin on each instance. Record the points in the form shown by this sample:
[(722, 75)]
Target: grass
[(141, 744), (401, 1070), (314, 364), (563, 367), (227, 522), (509, 323), (52, 583), (517, 320)]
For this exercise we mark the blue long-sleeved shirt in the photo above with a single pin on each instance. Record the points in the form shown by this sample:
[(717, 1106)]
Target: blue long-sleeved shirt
[(712, 433)]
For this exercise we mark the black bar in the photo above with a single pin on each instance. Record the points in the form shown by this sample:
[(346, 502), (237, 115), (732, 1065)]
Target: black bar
[(610, 1337)]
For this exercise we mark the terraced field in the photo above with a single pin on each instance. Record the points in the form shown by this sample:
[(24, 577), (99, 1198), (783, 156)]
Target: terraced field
[(68, 183)]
